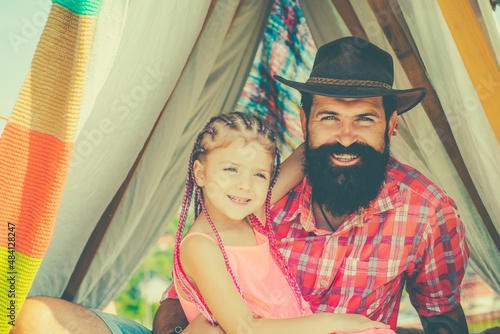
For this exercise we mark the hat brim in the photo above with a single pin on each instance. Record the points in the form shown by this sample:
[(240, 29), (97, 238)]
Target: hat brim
[(406, 99)]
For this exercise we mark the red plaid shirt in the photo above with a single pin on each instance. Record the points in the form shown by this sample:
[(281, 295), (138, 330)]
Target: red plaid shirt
[(410, 233)]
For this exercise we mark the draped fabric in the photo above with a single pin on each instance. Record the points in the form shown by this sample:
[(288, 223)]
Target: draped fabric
[(118, 63)]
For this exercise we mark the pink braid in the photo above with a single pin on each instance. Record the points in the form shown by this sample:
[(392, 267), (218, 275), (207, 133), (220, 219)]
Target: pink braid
[(273, 247), (179, 273)]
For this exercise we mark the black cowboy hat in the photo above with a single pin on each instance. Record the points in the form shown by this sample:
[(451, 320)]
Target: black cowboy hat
[(353, 67)]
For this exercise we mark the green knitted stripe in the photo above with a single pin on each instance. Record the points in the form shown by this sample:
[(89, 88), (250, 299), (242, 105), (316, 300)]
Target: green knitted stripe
[(81, 7)]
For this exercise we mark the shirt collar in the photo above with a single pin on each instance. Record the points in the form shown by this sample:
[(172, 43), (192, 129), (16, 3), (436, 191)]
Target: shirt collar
[(388, 198)]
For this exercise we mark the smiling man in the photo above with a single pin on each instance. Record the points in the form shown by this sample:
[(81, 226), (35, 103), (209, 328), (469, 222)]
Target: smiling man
[(362, 225)]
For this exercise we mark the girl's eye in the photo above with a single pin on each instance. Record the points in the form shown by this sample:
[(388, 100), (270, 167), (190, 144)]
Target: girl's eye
[(230, 169), (262, 176)]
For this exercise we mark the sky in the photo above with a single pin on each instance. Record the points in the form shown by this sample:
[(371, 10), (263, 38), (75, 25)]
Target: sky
[(21, 24)]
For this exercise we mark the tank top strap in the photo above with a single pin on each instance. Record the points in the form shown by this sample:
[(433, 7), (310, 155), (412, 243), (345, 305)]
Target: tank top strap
[(199, 233)]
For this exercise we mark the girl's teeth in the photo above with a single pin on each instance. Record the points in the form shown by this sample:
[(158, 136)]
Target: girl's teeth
[(239, 200)]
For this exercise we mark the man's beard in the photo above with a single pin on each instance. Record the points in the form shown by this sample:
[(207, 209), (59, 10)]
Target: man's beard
[(345, 189)]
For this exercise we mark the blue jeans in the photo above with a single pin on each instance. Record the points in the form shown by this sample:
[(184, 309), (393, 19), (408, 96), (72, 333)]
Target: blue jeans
[(120, 325)]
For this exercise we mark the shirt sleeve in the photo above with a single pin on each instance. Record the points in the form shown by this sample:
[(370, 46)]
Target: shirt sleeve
[(434, 287), (169, 293)]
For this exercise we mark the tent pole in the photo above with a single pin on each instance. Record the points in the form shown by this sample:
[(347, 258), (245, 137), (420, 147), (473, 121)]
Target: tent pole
[(394, 27), (476, 55), (344, 8), (97, 236)]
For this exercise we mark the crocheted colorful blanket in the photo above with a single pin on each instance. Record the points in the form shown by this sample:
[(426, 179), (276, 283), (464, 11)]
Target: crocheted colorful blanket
[(36, 147)]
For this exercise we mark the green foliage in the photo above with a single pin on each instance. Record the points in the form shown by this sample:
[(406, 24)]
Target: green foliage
[(159, 263)]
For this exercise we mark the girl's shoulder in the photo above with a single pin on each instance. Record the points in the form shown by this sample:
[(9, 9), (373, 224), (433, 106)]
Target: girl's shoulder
[(198, 248)]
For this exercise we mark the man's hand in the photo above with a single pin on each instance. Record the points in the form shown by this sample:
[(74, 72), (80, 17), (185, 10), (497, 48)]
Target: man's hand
[(452, 322), (168, 316), (200, 325)]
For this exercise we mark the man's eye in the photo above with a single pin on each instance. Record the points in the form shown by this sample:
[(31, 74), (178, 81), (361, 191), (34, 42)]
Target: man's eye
[(366, 119), (328, 118)]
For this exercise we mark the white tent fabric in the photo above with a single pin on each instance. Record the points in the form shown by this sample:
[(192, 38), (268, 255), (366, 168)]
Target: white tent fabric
[(491, 26), (157, 39)]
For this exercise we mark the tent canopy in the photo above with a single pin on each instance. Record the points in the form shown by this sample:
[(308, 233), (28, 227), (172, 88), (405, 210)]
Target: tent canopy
[(155, 71)]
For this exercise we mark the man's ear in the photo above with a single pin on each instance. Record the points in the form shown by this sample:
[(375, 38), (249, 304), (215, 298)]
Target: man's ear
[(199, 176), (303, 122), (392, 123)]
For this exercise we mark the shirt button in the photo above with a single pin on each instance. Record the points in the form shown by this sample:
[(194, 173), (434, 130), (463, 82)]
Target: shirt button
[(323, 282)]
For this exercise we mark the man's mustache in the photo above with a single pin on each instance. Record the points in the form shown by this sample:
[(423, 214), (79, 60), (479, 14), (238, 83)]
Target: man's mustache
[(337, 148)]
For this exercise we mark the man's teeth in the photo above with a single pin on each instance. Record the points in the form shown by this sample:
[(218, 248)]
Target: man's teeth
[(345, 157), (239, 200)]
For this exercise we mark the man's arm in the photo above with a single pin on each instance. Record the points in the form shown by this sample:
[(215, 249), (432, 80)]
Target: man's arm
[(170, 315), (452, 322)]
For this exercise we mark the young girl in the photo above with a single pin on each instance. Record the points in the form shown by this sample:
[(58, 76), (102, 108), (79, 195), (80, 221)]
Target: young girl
[(228, 266)]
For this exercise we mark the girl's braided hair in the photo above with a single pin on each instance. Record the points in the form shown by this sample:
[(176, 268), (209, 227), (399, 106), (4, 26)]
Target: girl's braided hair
[(221, 131)]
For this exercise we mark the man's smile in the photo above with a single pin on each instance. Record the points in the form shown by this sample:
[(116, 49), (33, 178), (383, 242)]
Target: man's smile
[(345, 159)]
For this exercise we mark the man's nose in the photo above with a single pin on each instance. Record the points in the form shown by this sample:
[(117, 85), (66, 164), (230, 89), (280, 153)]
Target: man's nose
[(346, 134)]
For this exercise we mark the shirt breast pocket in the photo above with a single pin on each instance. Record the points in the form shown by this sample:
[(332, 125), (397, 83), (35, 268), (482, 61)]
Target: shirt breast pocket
[(373, 279), (372, 269)]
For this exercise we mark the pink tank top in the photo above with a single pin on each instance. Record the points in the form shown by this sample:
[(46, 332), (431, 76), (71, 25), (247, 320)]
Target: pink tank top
[(261, 281), (264, 287)]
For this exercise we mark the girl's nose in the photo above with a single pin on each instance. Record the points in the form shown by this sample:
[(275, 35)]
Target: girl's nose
[(243, 183)]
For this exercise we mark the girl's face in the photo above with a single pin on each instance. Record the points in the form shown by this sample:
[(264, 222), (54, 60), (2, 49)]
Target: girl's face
[(235, 180)]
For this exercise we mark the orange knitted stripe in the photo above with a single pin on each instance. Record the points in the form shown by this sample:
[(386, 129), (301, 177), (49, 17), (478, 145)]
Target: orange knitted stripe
[(33, 168)]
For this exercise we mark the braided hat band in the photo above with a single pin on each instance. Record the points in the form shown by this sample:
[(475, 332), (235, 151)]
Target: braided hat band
[(351, 67)]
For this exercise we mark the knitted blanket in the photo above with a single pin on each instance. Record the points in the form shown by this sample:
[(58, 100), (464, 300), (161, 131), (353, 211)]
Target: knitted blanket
[(36, 147)]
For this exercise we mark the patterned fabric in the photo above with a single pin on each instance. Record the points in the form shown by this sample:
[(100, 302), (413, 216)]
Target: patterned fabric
[(36, 147), (411, 233), (287, 49)]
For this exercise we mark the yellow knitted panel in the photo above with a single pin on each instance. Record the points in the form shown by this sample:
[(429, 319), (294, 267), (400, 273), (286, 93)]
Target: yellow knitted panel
[(50, 98), (16, 277)]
